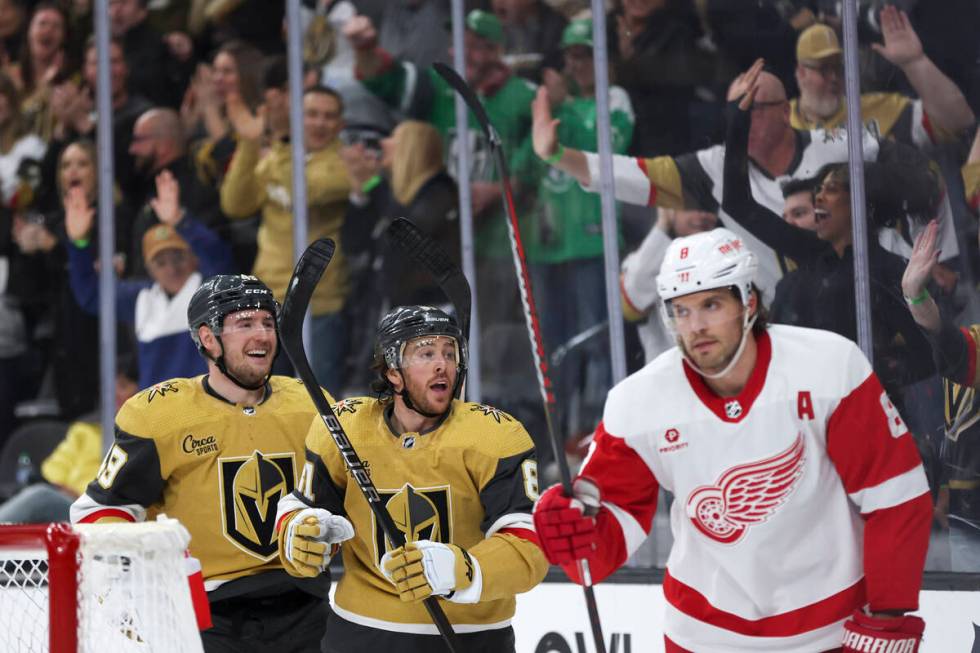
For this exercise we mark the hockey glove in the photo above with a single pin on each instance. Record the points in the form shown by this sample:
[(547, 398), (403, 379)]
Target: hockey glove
[(866, 633), (566, 525), (312, 537), (423, 568)]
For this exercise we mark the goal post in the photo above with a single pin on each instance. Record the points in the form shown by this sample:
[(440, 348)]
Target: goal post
[(95, 587)]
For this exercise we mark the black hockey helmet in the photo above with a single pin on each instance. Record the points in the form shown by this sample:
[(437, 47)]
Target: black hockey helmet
[(404, 323), (224, 294)]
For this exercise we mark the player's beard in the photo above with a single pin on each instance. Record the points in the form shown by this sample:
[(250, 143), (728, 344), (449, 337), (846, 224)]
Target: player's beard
[(418, 394), (247, 372), (718, 357)]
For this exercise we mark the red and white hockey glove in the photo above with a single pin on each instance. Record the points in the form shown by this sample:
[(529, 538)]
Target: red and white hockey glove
[(565, 526), (863, 633)]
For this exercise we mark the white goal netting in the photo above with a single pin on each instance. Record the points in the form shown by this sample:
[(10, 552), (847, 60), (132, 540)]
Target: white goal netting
[(96, 588)]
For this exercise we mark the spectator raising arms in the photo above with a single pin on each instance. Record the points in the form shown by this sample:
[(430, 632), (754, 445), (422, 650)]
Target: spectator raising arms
[(955, 351), (44, 60), (263, 182), (825, 297), (179, 254)]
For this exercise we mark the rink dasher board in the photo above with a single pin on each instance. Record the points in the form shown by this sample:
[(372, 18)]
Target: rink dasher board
[(633, 613)]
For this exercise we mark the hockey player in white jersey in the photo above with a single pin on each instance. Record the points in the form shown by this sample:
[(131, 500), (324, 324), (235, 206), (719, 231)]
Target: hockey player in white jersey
[(801, 515)]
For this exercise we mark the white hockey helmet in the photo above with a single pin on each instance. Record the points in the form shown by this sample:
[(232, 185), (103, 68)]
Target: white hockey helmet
[(706, 261)]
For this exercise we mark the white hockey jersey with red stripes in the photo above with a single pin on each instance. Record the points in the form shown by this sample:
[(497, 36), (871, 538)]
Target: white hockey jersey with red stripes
[(795, 502)]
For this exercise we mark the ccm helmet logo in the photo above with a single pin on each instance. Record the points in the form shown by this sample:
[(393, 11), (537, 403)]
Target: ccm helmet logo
[(255, 291)]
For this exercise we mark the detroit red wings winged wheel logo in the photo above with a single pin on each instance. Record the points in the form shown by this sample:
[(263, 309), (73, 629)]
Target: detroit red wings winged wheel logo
[(746, 495)]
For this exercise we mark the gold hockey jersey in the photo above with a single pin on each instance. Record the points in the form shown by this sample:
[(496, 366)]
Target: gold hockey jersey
[(886, 114), (471, 481), (220, 468)]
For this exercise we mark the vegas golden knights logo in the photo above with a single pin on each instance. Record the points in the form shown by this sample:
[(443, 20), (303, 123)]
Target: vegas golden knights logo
[(962, 409), (419, 513), (250, 490)]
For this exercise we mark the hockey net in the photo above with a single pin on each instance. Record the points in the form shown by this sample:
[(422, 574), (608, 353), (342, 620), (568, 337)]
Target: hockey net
[(95, 587)]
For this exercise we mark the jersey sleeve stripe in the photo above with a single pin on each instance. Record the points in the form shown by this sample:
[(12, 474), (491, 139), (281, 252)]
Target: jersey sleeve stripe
[(923, 132), (692, 603), (971, 358), (895, 491), (652, 199), (512, 520), (633, 533), (86, 510), (524, 533), (866, 448), (632, 184), (96, 515)]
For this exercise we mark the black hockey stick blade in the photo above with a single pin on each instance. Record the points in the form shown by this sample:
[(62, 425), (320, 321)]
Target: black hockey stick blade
[(306, 275), (473, 102), (425, 251)]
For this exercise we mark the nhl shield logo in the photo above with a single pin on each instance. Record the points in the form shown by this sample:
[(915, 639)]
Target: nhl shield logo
[(733, 409), (419, 513), (251, 487)]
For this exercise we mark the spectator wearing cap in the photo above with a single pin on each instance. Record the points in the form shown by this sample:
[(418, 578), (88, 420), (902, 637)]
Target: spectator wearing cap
[(563, 236), (179, 253), (532, 31), (941, 109), (425, 96)]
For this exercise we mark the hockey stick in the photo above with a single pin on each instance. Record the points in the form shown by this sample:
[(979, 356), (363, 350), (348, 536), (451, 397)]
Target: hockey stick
[(426, 252), (306, 275), (530, 318)]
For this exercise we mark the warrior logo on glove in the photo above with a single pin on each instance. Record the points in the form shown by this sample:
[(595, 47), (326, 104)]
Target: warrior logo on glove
[(420, 513)]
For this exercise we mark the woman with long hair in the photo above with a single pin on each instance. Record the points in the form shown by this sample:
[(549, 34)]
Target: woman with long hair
[(234, 70), (72, 351), (44, 61)]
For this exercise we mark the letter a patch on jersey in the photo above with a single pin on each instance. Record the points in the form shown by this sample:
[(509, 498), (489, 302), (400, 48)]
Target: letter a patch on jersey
[(251, 487), (746, 495)]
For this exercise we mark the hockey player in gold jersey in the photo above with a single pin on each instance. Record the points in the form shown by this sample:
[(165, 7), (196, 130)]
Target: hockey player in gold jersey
[(217, 452), (459, 479)]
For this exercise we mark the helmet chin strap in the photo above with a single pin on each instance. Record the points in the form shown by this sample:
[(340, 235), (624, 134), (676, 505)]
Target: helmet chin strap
[(220, 362), (747, 323)]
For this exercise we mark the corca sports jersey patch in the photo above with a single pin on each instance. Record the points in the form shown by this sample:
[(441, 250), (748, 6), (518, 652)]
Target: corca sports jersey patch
[(251, 487)]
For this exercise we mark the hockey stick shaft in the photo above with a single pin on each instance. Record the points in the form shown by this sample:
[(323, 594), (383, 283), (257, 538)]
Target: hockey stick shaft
[(531, 320), (306, 275)]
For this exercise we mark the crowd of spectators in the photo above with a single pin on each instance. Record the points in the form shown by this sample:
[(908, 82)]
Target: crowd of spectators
[(202, 179)]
